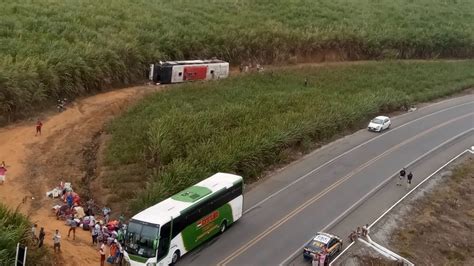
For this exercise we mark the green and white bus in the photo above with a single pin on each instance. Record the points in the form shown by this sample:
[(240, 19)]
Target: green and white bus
[(163, 233)]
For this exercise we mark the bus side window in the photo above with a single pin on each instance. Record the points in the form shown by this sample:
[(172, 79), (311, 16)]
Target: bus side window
[(164, 242)]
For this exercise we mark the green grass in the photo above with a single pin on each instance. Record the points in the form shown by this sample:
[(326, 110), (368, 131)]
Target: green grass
[(248, 123), (15, 228), (57, 48)]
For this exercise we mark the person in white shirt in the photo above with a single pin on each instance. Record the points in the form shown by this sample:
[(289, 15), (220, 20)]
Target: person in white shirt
[(57, 241), (95, 233)]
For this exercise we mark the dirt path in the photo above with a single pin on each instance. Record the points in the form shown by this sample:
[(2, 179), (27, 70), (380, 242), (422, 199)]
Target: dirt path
[(62, 153), (36, 164)]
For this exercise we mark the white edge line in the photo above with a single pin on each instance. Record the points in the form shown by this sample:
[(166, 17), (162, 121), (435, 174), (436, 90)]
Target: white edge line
[(370, 193), (342, 252), (388, 251), (421, 183), (378, 249), (424, 180), (346, 152)]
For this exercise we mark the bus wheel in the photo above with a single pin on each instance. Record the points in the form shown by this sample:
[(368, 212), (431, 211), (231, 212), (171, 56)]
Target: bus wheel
[(223, 227), (175, 257)]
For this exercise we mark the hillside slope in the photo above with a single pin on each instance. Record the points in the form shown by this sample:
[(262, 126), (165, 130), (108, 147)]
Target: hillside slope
[(63, 48), (250, 123)]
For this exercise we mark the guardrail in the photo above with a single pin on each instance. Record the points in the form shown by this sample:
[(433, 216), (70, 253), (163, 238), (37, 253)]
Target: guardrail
[(380, 247)]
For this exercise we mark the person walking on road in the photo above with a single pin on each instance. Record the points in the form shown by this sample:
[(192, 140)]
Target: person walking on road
[(57, 241), (41, 237), (403, 172), (39, 125), (409, 178), (3, 174)]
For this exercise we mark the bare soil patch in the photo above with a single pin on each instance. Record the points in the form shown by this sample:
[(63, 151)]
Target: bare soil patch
[(440, 226), (433, 226), (68, 150)]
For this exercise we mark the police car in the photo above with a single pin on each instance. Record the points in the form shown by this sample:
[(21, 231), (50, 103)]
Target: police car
[(323, 242)]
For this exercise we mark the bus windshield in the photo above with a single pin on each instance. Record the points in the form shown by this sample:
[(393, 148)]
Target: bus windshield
[(142, 239)]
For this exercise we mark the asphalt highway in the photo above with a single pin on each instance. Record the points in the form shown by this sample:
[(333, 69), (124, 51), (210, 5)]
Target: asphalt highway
[(314, 193)]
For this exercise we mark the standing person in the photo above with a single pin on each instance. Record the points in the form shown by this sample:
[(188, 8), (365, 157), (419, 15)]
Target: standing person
[(315, 261), (322, 257), (41, 237), (73, 226), (3, 174), (409, 178), (39, 125), (359, 231), (365, 230), (102, 254), (95, 232), (33, 232), (57, 241), (100, 236), (353, 236), (402, 176), (120, 253), (121, 219), (69, 199), (306, 82), (113, 250), (106, 211)]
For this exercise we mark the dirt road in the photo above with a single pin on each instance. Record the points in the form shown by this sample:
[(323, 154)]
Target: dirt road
[(37, 164)]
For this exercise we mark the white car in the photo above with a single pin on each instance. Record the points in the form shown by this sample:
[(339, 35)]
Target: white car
[(379, 123)]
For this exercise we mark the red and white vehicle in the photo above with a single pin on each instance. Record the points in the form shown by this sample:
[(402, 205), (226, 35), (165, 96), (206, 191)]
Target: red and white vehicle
[(182, 71)]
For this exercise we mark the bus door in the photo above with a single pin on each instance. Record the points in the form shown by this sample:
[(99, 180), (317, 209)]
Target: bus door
[(164, 241)]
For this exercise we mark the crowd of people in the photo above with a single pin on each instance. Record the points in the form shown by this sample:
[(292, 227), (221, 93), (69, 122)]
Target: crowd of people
[(361, 231), (106, 234)]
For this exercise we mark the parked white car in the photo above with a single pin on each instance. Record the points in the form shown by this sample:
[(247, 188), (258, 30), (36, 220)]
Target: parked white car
[(379, 124)]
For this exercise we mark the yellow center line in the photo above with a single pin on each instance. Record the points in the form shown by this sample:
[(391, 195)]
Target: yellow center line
[(293, 213)]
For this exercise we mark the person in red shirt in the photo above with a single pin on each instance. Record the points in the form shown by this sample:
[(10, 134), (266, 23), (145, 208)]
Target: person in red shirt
[(39, 125)]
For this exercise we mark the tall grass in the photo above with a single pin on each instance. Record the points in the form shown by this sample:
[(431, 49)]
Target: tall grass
[(246, 124), (14, 228), (64, 48)]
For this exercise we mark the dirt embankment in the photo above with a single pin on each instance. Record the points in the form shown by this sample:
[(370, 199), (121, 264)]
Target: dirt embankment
[(439, 228), (67, 150)]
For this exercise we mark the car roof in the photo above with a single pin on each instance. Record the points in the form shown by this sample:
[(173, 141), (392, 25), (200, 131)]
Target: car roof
[(321, 235), (381, 117)]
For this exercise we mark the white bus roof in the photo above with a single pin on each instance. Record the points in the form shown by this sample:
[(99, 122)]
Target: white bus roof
[(162, 212), (191, 62)]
